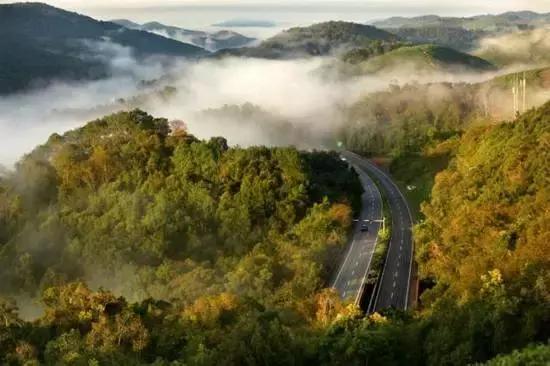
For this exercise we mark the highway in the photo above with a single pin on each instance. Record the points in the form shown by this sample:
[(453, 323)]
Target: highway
[(351, 276), (394, 284)]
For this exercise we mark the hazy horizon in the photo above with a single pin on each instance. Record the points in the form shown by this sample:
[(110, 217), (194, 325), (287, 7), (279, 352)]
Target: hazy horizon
[(202, 15)]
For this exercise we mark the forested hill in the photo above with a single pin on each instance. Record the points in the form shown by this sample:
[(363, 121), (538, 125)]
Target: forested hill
[(47, 43), (317, 40), (423, 58), (239, 242), (489, 211), (483, 245), (124, 190), (512, 20), (464, 34)]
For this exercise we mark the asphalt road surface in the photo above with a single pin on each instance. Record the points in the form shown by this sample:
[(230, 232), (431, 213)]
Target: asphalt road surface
[(351, 276), (393, 288)]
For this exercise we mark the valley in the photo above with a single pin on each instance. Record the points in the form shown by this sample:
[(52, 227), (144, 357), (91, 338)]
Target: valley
[(339, 192)]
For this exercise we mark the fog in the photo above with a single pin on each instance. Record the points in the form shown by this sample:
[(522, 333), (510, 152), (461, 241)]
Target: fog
[(293, 90), (529, 48), (179, 36), (284, 88), (301, 101), (248, 101)]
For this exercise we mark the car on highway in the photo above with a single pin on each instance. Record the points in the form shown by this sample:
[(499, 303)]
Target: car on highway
[(364, 227)]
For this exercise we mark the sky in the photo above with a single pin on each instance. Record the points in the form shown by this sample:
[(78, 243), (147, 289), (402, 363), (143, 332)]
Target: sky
[(202, 14), (489, 5), (463, 6)]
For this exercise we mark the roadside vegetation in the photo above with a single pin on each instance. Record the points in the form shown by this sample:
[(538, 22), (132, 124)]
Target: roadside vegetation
[(248, 287), (129, 241)]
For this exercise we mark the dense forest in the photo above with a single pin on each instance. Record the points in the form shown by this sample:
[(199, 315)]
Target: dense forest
[(418, 126), (222, 253), (226, 240), (130, 241), (405, 119)]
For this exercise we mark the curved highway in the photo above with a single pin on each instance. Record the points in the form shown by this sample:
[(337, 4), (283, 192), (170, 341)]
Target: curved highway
[(394, 284), (351, 276)]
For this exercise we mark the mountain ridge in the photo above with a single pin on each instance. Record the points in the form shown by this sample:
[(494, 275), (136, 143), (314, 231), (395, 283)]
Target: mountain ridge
[(472, 22), (213, 41), (320, 39), (51, 43)]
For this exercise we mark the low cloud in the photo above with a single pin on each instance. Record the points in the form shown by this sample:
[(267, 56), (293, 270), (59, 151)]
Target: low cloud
[(297, 98), (529, 48)]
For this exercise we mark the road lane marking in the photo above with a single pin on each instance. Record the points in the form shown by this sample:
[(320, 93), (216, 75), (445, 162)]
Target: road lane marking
[(344, 264), (376, 204)]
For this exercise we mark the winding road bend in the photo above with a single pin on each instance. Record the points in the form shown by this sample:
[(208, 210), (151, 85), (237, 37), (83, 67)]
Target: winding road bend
[(352, 274), (394, 285)]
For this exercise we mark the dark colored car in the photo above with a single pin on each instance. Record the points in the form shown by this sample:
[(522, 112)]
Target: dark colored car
[(364, 227)]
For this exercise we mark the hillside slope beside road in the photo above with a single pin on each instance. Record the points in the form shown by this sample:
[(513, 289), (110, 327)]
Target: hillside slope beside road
[(351, 276), (393, 289)]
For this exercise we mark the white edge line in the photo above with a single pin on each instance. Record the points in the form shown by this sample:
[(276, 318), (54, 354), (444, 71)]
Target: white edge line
[(410, 219), (345, 261), (361, 288), (389, 245)]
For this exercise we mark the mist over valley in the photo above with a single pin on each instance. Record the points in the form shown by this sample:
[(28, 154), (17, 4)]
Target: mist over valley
[(267, 184)]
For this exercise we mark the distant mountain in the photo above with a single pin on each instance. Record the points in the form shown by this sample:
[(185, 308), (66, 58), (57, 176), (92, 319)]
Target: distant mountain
[(464, 34), (210, 41), (48, 43), (442, 35), (244, 23), (126, 23), (489, 23), (317, 40), (425, 58)]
